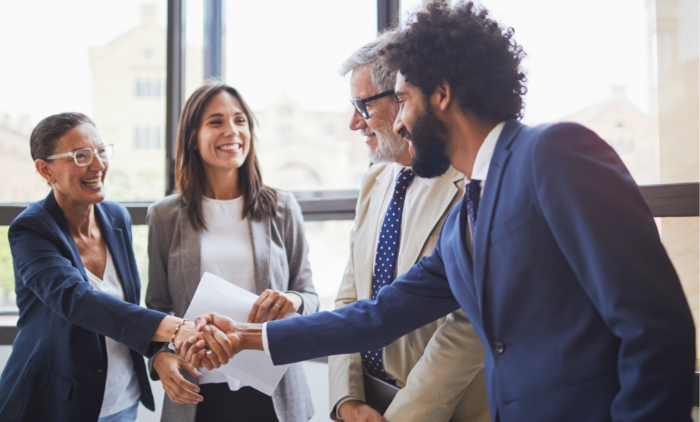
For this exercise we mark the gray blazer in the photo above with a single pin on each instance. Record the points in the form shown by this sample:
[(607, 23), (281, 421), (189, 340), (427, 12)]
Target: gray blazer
[(281, 263)]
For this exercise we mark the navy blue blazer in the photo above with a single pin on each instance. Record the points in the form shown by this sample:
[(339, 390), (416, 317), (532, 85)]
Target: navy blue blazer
[(572, 293), (58, 366)]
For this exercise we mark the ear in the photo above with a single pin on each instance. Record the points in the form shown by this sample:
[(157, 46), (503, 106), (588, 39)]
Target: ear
[(44, 171), (442, 97)]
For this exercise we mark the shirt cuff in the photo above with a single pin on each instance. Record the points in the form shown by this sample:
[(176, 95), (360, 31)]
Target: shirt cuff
[(340, 402), (266, 347)]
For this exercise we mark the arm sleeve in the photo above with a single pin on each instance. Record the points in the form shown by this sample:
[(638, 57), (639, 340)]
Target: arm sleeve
[(61, 287), (345, 373), (449, 372), (300, 280), (157, 292), (416, 298), (608, 236)]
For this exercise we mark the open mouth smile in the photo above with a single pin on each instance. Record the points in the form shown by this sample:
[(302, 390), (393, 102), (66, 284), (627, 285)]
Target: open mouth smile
[(92, 183)]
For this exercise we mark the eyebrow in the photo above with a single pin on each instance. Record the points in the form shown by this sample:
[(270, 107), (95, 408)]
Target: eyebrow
[(238, 113), (396, 94)]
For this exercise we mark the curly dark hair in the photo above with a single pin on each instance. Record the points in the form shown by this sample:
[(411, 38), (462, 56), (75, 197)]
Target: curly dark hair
[(461, 45)]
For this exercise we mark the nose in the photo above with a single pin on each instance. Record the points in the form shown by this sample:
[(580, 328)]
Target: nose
[(231, 129), (97, 164), (356, 121)]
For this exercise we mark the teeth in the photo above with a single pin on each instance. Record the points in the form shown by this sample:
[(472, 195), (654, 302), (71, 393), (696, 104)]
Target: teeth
[(91, 183), (234, 147)]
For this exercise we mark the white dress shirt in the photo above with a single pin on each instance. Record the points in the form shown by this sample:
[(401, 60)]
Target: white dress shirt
[(122, 387)]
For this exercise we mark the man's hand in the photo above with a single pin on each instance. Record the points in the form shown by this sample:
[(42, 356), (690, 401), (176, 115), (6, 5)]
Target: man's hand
[(356, 411), (220, 347), (214, 329), (168, 366)]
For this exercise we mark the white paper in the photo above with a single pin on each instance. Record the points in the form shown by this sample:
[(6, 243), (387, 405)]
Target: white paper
[(252, 367)]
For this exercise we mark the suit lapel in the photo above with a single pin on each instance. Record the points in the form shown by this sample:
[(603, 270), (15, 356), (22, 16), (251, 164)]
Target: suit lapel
[(261, 237), (190, 254), (51, 206), (367, 237), (489, 199), (429, 212), (114, 238)]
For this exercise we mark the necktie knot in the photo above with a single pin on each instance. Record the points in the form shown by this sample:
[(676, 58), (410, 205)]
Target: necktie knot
[(472, 197), (404, 178)]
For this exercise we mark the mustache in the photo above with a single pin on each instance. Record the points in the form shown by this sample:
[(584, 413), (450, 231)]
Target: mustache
[(405, 133)]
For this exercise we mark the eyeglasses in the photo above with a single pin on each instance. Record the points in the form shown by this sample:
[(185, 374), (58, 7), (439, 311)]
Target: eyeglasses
[(83, 156), (359, 103)]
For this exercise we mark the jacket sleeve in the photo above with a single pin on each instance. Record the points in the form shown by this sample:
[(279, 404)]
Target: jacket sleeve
[(157, 293), (450, 372), (60, 286), (345, 373), (607, 234), (416, 298), (297, 249)]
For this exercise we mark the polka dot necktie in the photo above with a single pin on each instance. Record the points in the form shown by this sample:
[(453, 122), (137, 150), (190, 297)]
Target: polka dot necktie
[(385, 260), (472, 196)]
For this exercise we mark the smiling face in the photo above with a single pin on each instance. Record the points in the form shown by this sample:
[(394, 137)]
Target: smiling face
[(71, 182), (427, 135), (224, 134), (384, 145)]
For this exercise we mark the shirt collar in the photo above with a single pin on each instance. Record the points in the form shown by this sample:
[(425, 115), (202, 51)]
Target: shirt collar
[(483, 157)]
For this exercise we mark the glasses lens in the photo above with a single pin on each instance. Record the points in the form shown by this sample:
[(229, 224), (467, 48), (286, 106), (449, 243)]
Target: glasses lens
[(105, 152), (360, 108), (83, 157)]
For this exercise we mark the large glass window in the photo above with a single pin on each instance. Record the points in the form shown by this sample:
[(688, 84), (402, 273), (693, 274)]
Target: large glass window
[(284, 58)]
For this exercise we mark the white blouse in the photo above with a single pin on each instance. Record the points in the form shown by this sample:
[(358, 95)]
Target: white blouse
[(122, 388), (227, 252)]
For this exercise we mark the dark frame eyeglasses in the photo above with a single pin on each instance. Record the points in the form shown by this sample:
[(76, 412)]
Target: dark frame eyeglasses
[(359, 103)]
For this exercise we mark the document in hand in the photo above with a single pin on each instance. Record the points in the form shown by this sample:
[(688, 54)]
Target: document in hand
[(252, 367)]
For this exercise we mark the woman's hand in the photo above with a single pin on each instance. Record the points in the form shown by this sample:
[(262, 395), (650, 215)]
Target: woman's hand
[(276, 304), (220, 347), (240, 335), (168, 366)]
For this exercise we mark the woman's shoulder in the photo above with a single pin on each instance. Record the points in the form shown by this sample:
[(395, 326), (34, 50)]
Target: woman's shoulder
[(167, 207), (286, 203)]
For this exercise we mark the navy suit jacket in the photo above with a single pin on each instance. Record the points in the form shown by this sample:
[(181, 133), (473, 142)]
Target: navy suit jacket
[(58, 366), (570, 290)]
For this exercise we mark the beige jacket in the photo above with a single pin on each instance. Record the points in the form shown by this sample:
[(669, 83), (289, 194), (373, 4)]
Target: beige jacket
[(439, 366)]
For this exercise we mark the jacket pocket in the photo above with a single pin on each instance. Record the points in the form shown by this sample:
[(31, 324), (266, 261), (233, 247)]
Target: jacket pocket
[(513, 223), (48, 380)]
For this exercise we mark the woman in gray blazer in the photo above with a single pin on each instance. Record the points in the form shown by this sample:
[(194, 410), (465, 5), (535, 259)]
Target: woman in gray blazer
[(226, 222)]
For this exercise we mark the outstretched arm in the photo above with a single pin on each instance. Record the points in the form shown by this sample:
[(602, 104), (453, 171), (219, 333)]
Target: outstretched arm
[(416, 298)]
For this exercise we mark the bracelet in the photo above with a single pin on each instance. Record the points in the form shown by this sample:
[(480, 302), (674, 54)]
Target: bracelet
[(172, 340)]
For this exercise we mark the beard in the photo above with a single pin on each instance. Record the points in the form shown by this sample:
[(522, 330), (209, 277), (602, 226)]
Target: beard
[(430, 138), (389, 147)]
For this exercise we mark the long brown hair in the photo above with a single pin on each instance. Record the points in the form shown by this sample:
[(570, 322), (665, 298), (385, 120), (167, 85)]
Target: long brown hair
[(259, 201)]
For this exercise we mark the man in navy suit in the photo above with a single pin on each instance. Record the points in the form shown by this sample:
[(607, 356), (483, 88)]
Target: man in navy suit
[(552, 253)]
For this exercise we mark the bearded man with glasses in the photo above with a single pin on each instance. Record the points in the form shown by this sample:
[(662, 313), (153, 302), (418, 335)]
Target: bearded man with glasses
[(422, 363)]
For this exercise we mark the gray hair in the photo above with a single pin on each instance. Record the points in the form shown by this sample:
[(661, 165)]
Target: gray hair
[(382, 77)]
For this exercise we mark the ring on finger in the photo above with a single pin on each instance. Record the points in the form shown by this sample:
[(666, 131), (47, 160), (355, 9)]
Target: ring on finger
[(278, 306)]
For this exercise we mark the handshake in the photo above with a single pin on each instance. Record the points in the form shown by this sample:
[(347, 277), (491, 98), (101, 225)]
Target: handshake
[(217, 339)]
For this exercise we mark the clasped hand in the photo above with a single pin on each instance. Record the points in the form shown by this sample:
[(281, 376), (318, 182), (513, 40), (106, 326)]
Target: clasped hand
[(217, 332)]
